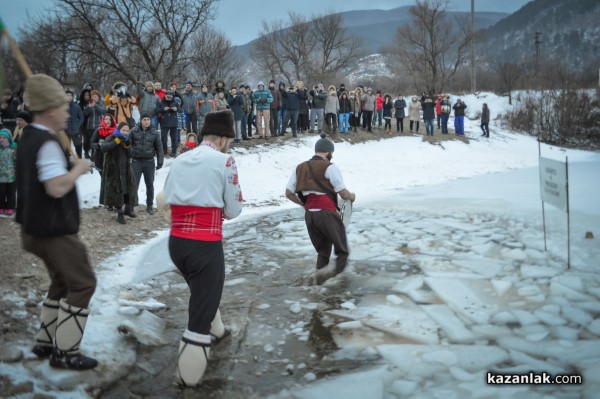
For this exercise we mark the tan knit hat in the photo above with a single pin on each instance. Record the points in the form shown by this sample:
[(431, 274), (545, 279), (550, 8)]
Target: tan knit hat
[(43, 92)]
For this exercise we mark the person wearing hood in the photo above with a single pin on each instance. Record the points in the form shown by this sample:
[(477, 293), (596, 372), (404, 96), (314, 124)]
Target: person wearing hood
[(399, 106), (189, 99), (148, 101), (357, 107), (219, 88), (167, 115), (274, 107), (108, 124), (122, 103), (332, 107), (8, 173), (345, 111), (74, 123), (119, 189), (428, 106), (94, 110), (413, 113), (263, 99), (318, 97), (205, 105), (191, 142), (388, 107), (368, 107), (485, 121)]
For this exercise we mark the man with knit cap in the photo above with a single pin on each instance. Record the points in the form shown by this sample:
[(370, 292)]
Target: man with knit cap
[(315, 185), (48, 211), (202, 189)]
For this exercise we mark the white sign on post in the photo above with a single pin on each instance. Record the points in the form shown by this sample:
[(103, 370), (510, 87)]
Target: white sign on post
[(553, 182)]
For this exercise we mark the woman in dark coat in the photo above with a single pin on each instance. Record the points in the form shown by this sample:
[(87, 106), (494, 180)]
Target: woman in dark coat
[(118, 182)]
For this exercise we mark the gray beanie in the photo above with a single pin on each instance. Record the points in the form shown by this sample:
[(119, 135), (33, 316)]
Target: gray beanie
[(324, 144)]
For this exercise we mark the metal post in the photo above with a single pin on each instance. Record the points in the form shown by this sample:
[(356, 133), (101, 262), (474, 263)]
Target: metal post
[(568, 217), (473, 80), (543, 208)]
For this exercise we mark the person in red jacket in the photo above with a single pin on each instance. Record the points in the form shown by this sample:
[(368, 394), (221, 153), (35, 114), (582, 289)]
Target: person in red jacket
[(378, 115), (438, 109), (159, 91)]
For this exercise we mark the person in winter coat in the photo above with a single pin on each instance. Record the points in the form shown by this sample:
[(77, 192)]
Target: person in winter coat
[(318, 98), (235, 102), (388, 107), (206, 104), (294, 97), (303, 110), (438, 110), (274, 108), (119, 185), (189, 99), (8, 173), (118, 87), (345, 111), (74, 123), (399, 106), (159, 91), (9, 106), (378, 115), (485, 120), (221, 101), (146, 144), (357, 107), (281, 127), (94, 110), (368, 104), (191, 142), (23, 119), (219, 88), (148, 101), (167, 115), (332, 107), (263, 99), (445, 109), (107, 126), (428, 114), (122, 103), (459, 117), (414, 106), (246, 112)]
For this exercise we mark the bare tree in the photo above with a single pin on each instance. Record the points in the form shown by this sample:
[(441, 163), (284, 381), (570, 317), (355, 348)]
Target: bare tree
[(509, 74), (135, 37), (315, 48), (214, 58), (432, 47)]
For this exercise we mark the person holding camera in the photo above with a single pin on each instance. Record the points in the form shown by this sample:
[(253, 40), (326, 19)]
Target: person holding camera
[(167, 111), (317, 115), (293, 97), (459, 117)]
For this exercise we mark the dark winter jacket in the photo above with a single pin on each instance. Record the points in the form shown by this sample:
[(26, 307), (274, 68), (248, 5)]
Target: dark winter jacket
[(75, 119), (400, 105), (8, 113), (428, 108), (388, 109), (276, 103), (168, 118), (459, 109), (235, 104), (319, 98), (148, 101), (117, 174), (146, 144), (303, 104), (485, 115), (345, 104), (189, 99), (94, 115), (206, 103)]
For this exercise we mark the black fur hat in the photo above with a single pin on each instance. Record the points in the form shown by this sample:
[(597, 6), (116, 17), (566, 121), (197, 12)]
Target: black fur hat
[(219, 123)]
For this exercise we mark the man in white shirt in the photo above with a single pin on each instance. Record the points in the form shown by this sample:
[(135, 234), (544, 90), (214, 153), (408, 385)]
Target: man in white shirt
[(48, 210), (202, 189), (315, 185)]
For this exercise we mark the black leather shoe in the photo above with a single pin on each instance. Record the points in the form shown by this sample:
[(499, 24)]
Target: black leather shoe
[(42, 352), (77, 361)]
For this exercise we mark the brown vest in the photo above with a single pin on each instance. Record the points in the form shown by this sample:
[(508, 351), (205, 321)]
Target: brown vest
[(315, 182)]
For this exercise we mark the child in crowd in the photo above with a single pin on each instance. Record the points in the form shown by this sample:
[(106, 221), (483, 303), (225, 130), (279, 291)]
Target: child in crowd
[(191, 142), (8, 173)]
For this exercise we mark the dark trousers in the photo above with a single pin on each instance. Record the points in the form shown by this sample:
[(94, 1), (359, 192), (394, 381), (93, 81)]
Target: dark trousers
[(400, 124), (250, 120), (202, 265), (191, 123), (325, 229), (274, 121), (70, 271), (439, 120), (244, 126), (485, 128), (303, 122), (8, 194), (87, 140), (76, 140), (411, 126), (445, 123), (331, 123), (367, 120), (291, 118), (145, 167), (165, 133)]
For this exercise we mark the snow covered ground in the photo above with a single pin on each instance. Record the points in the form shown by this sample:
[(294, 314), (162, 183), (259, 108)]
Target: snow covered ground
[(467, 218)]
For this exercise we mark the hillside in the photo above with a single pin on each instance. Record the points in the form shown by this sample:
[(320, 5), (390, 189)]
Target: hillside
[(569, 31)]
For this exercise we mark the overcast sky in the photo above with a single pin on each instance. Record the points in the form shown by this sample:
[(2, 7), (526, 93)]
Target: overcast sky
[(241, 20)]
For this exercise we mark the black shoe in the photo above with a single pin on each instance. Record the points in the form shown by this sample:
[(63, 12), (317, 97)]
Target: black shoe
[(87, 155), (121, 217), (129, 211), (77, 361), (150, 210), (42, 352), (246, 138)]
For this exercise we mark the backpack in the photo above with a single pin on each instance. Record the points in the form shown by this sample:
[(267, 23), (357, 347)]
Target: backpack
[(445, 108)]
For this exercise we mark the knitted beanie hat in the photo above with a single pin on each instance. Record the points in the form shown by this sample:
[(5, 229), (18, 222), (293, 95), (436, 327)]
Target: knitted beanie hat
[(323, 144), (219, 123), (43, 93)]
